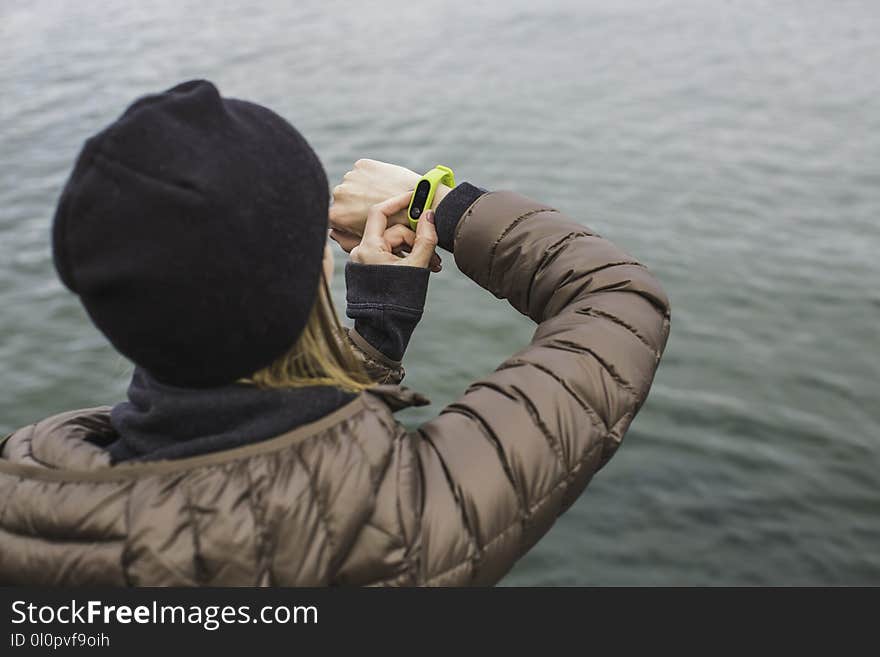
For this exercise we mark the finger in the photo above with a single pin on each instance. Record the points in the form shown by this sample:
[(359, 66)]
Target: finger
[(367, 256), (338, 214), (400, 240), (346, 240), (377, 217), (435, 265), (376, 224), (426, 240), (399, 235), (395, 203)]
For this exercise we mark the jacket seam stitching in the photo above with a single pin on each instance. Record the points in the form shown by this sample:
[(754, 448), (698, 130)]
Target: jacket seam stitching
[(260, 526), (561, 484), (15, 486), (131, 473), (573, 347), (400, 541), (29, 441), (387, 426), (615, 263), (589, 410), (522, 397), (420, 503), (513, 224), (532, 410), (552, 252), (408, 548), (613, 437), (8, 501), (116, 538), (469, 530), (496, 444), (614, 319), (374, 482), (199, 567), (322, 509), (125, 551)]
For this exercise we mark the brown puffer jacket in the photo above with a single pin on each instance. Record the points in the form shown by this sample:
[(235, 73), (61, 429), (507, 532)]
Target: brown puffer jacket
[(355, 498)]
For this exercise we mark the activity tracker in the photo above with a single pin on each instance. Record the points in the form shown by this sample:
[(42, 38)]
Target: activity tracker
[(423, 195)]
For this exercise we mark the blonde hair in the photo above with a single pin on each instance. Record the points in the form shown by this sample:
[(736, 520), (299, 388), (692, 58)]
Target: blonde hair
[(321, 356)]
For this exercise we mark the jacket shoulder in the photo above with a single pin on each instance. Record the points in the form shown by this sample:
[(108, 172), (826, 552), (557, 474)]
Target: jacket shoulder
[(315, 506), (37, 444)]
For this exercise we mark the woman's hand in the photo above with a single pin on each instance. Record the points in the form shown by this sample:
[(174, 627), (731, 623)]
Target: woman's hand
[(371, 182), (381, 245), (368, 183)]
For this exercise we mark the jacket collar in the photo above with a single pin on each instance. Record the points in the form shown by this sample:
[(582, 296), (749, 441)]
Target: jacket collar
[(161, 421), (65, 447)]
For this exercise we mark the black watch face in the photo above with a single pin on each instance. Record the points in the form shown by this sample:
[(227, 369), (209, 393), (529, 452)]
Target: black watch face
[(420, 198)]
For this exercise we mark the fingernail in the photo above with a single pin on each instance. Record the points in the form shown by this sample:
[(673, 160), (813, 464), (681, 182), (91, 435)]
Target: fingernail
[(429, 215)]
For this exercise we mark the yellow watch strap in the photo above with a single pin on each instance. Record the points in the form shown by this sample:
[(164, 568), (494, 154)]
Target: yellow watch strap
[(442, 175), (438, 175)]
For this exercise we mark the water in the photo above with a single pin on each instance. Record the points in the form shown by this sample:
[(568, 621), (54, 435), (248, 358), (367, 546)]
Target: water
[(732, 146)]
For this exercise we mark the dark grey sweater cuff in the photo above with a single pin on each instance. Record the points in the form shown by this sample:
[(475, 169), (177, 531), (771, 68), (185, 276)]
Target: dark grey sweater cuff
[(451, 210), (386, 303)]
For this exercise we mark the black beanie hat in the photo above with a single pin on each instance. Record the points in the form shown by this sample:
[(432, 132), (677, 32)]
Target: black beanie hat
[(192, 229)]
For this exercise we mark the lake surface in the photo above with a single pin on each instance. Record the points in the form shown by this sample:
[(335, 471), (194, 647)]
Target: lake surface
[(734, 147)]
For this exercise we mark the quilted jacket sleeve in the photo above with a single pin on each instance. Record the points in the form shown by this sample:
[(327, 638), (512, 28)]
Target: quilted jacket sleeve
[(500, 464), (377, 365)]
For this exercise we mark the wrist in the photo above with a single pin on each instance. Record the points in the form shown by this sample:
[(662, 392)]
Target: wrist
[(386, 302), (439, 194), (450, 212)]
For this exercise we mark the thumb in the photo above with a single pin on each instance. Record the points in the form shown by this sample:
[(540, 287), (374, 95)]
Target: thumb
[(426, 240)]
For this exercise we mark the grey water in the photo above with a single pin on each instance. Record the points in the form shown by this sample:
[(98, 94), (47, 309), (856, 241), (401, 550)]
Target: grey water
[(733, 146)]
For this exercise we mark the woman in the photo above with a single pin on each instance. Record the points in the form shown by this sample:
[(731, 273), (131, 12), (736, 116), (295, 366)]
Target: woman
[(258, 444)]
